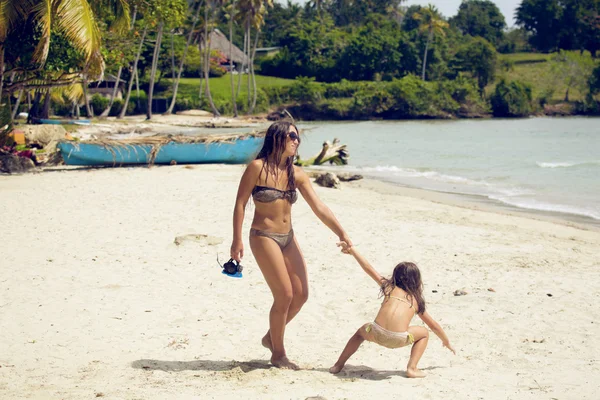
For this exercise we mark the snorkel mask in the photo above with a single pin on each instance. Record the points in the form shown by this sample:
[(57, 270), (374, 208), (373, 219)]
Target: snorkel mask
[(232, 268)]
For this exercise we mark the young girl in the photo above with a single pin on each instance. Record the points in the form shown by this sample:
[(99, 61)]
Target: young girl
[(403, 298)]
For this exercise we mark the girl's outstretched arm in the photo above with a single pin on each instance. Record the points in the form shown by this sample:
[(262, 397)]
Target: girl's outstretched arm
[(365, 265), (437, 329), (317, 206)]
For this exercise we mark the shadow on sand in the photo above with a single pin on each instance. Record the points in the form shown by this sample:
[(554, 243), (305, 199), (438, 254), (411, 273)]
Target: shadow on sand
[(200, 365), (364, 372)]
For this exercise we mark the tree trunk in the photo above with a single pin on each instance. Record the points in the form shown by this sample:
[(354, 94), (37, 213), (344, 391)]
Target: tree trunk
[(234, 104), (207, 45), (172, 60), (187, 45), (88, 109), (249, 66), (133, 74), (153, 70), (46, 108), (254, 94), (237, 91), (106, 111), (567, 95), (425, 55), (1, 71), (17, 104), (133, 17)]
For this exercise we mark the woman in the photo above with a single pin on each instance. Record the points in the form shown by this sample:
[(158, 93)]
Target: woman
[(272, 180)]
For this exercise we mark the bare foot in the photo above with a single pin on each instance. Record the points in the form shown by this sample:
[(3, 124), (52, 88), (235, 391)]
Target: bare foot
[(284, 363), (336, 369), (266, 342), (415, 373)]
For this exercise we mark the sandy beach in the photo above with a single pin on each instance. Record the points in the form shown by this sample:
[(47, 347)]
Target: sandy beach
[(98, 300)]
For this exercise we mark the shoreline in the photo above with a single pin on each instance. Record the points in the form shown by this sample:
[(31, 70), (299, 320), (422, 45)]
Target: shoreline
[(483, 203)]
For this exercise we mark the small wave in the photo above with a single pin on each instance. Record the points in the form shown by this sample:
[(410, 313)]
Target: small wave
[(565, 164), (531, 204), (446, 179)]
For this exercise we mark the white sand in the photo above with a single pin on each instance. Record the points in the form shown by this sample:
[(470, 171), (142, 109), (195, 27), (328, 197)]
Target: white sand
[(97, 300)]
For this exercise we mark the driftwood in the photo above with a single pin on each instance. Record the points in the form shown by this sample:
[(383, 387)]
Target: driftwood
[(334, 153), (328, 180)]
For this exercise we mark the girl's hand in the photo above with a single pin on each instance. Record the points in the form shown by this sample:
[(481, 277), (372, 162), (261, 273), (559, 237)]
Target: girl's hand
[(345, 247), (345, 239), (237, 250), (449, 347)]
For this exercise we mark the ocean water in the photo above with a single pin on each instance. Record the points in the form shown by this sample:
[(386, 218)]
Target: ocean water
[(545, 164)]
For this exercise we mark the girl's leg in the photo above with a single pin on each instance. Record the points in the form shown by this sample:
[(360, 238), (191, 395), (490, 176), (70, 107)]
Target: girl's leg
[(296, 267), (271, 262), (353, 344), (421, 336)]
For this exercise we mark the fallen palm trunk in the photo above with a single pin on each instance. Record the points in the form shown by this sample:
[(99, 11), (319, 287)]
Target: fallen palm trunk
[(334, 153)]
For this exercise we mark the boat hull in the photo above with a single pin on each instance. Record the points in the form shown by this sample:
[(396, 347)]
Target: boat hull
[(239, 151), (64, 121)]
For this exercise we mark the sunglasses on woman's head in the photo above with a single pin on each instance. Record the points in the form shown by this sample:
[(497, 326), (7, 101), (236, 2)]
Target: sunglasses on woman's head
[(294, 136)]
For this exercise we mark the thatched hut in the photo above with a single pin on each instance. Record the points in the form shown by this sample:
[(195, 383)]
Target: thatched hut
[(218, 41)]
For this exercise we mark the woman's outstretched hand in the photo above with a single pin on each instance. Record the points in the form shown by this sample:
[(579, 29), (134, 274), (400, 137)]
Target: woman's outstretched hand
[(237, 250), (344, 238), (345, 247)]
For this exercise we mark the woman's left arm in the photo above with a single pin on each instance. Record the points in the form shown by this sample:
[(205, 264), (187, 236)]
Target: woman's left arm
[(318, 207)]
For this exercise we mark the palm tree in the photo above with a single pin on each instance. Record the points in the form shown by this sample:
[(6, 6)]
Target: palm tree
[(230, 16), (432, 24), (75, 19), (182, 61), (12, 13), (206, 47), (252, 13)]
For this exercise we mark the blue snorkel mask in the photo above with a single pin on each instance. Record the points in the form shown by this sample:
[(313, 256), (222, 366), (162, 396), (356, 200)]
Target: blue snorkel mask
[(231, 268)]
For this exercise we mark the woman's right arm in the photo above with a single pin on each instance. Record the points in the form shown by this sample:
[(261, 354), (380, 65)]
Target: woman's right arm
[(247, 183)]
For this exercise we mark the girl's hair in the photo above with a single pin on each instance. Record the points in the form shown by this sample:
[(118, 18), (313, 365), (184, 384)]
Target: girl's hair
[(407, 277), (275, 141)]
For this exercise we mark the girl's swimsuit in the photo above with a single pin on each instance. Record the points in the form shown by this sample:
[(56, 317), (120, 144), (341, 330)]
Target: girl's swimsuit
[(389, 339), (265, 194)]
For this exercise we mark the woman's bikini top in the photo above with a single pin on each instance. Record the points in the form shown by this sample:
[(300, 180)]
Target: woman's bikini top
[(265, 194)]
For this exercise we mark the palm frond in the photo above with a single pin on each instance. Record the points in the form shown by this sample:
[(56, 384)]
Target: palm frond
[(11, 12), (76, 21), (42, 12)]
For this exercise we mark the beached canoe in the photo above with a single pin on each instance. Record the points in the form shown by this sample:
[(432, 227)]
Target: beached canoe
[(63, 121), (162, 150)]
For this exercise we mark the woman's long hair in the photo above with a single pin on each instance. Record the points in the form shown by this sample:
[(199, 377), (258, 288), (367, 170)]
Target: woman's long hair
[(275, 141), (407, 277)]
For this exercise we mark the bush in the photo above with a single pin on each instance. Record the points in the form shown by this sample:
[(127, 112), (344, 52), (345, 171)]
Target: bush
[(305, 90), (512, 99), (137, 105), (98, 103), (371, 102)]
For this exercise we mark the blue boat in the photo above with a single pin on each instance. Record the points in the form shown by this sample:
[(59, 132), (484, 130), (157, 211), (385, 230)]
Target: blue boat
[(62, 121), (237, 150)]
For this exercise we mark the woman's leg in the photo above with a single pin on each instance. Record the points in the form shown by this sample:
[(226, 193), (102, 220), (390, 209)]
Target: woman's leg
[(351, 347), (421, 336), (270, 259), (296, 267)]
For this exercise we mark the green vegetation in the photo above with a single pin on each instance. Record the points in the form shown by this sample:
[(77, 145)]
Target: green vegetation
[(336, 59)]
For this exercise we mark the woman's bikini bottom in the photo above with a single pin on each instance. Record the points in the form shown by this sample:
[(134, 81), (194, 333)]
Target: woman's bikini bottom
[(282, 239)]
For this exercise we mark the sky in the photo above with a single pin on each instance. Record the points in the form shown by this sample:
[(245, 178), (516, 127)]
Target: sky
[(449, 8)]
